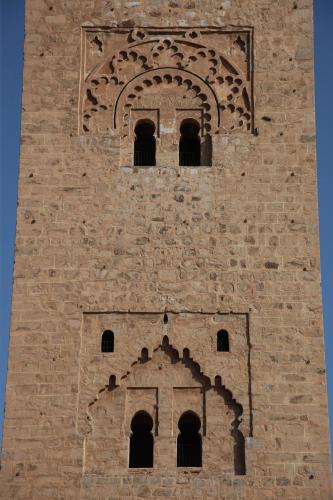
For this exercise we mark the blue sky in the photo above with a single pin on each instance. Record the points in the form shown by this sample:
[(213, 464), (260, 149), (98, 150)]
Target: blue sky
[(12, 32)]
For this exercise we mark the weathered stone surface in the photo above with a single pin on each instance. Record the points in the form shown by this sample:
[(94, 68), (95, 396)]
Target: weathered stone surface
[(230, 244)]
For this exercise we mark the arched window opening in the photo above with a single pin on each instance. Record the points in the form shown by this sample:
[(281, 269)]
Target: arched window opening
[(165, 319), (112, 382), (141, 441), (144, 355), (189, 144), (107, 341), (189, 445), (144, 144), (222, 341)]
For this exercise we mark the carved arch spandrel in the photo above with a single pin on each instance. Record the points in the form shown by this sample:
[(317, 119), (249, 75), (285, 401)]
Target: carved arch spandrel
[(181, 83), (181, 50), (165, 51), (174, 357)]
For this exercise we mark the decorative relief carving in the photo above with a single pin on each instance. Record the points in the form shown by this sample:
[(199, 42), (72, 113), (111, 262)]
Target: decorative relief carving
[(186, 89), (165, 385), (209, 69)]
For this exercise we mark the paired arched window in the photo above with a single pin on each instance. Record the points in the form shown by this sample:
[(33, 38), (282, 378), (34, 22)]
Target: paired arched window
[(107, 344), (191, 152), (142, 441), (144, 144), (222, 341), (189, 444), (189, 143)]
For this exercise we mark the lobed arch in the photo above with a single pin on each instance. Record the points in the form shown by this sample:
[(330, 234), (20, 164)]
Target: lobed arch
[(141, 449), (175, 357), (145, 143), (189, 440), (182, 359), (148, 57), (224, 70), (168, 75), (189, 147)]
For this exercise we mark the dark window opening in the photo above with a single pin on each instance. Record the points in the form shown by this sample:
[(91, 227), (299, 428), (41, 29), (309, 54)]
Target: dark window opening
[(112, 382), (189, 445), (144, 144), (189, 144), (144, 355), (222, 339), (165, 319), (141, 441), (107, 341)]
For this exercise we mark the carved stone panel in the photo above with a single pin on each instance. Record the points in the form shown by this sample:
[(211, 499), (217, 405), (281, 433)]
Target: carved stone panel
[(166, 376), (169, 70)]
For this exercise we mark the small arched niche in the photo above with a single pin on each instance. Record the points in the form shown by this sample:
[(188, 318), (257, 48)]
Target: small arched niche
[(141, 453), (222, 341), (189, 442), (107, 344), (112, 382), (189, 143), (144, 355), (144, 144)]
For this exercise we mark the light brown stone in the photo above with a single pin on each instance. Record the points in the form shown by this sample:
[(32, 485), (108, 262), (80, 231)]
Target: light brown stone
[(105, 245)]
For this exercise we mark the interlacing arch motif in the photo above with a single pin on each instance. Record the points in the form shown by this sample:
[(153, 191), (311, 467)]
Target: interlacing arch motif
[(229, 81)]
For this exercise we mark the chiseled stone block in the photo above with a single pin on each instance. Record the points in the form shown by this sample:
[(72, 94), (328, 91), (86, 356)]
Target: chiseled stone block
[(167, 199)]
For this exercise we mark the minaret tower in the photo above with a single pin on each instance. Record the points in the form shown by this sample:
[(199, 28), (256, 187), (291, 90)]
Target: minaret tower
[(166, 336)]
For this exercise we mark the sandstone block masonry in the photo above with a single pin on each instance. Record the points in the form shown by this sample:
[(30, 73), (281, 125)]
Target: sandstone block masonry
[(166, 335)]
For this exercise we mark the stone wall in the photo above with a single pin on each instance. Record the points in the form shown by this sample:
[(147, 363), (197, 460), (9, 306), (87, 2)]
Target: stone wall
[(105, 245)]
